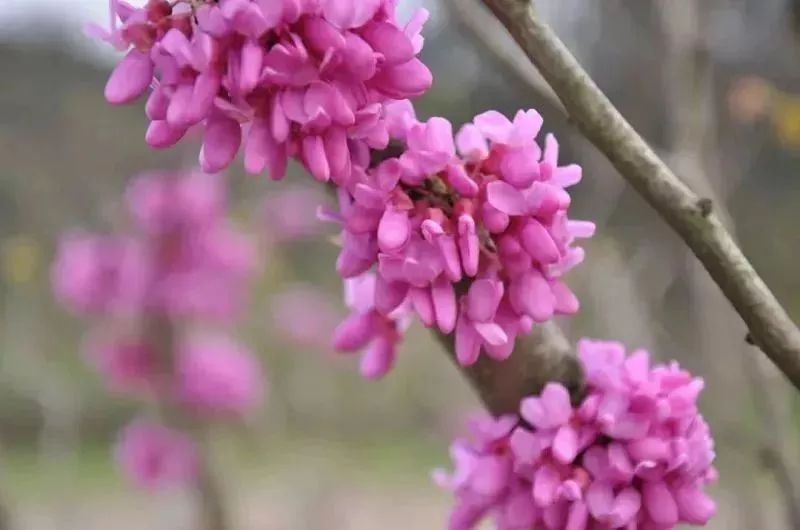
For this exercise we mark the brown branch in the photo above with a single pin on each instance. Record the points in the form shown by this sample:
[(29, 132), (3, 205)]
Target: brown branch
[(211, 511), (688, 214), (209, 497), (542, 356)]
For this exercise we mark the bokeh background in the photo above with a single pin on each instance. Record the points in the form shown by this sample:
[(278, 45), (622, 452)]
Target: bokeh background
[(714, 85)]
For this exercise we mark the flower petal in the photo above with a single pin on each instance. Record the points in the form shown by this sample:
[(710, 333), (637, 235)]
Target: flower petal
[(660, 503), (506, 198), (130, 78), (221, 142)]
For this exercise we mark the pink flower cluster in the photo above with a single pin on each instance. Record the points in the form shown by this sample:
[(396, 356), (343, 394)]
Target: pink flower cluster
[(634, 454), (155, 457), (472, 232), (306, 79), (183, 266), (184, 260)]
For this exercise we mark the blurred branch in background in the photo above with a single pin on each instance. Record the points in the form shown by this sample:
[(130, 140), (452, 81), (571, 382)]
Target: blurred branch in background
[(695, 151), (486, 28), (210, 509), (213, 511), (691, 216)]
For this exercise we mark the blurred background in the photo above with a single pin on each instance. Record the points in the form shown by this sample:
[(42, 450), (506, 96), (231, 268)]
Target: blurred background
[(714, 85)]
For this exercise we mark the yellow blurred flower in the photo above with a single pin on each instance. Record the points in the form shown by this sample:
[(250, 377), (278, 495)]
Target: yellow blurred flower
[(22, 257), (785, 115)]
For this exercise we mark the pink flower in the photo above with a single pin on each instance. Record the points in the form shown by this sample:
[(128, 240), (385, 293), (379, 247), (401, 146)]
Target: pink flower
[(203, 273), (200, 263), (217, 376), (635, 453), (154, 457), (163, 202), (367, 328), (96, 274), (286, 79), (488, 205), (187, 260), (478, 323), (484, 470), (126, 365), (182, 266)]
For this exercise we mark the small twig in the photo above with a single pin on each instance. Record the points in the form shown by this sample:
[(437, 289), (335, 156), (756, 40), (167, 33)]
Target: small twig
[(210, 496), (211, 509), (597, 118), (774, 438)]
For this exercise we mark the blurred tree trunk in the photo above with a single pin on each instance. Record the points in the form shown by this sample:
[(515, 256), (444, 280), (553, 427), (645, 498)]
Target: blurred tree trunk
[(720, 332), (209, 497)]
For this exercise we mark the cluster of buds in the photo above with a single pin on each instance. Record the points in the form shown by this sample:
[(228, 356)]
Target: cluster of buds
[(304, 79), (634, 453), (147, 293), (470, 233)]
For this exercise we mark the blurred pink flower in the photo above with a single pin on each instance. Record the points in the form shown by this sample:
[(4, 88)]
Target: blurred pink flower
[(100, 274), (162, 202), (126, 365), (292, 214), (186, 261), (215, 375), (182, 268), (154, 457), (304, 316), (203, 273)]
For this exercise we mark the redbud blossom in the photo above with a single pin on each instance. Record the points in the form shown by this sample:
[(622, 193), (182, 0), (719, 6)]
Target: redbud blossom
[(218, 376), (367, 329), (181, 267), (278, 79), (154, 457), (469, 230), (634, 453)]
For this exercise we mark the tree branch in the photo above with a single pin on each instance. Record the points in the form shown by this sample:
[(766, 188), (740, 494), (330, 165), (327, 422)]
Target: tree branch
[(209, 496), (691, 216), (543, 356), (211, 511)]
